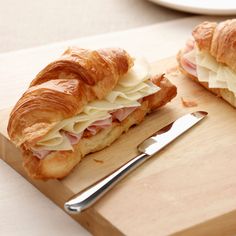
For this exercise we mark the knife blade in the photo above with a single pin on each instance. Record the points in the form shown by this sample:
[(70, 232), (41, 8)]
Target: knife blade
[(147, 149)]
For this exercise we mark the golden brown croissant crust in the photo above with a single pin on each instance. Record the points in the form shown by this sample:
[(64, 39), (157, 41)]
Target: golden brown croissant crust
[(58, 164), (219, 40), (63, 88)]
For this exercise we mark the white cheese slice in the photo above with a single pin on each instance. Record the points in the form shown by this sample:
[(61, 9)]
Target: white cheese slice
[(221, 75), (190, 56), (137, 74), (206, 60), (216, 74), (132, 94), (202, 74), (77, 127), (64, 144), (51, 139), (104, 105), (214, 83)]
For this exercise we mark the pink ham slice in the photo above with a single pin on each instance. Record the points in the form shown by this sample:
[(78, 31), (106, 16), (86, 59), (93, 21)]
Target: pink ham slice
[(73, 138), (188, 66), (40, 154), (122, 113), (98, 125), (189, 46)]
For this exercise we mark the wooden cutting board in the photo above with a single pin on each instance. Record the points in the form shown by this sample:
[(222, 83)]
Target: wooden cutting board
[(188, 188)]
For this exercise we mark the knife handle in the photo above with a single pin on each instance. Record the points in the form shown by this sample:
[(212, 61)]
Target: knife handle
[(91, 194)]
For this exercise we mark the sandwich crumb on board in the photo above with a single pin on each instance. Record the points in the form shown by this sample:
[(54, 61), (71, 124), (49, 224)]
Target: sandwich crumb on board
[(188, 103), (98, 161)]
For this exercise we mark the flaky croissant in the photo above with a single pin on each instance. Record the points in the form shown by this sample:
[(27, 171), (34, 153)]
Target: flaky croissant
[(218, 42), (61, 91), (63, 88)]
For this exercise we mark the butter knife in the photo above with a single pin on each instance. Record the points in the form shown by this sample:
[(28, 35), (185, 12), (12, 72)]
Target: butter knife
[(147, 148)]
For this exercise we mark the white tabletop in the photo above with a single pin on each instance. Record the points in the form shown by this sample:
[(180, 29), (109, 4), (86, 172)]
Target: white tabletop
[(25, 211)]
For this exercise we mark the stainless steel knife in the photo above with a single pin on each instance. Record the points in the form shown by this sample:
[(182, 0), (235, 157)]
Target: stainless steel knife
[(147, 148)]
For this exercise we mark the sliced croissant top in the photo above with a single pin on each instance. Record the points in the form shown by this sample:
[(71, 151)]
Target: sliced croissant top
[(63, 88), (219, 40)]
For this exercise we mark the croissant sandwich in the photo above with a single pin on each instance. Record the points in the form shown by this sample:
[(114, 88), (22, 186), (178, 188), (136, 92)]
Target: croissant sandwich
[(81, 103), (210, 58)]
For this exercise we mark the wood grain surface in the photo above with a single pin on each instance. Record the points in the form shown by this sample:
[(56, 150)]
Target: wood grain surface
[(188, 188)]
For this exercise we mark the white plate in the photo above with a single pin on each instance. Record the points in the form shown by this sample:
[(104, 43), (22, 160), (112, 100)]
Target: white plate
[(209, 7)]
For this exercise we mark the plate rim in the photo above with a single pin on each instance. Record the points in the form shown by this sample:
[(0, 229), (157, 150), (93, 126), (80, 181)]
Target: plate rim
[(194, 9)]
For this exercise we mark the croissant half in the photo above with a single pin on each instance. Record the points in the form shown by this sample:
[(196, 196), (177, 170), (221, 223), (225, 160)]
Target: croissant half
[(210, 58), (62, 91)]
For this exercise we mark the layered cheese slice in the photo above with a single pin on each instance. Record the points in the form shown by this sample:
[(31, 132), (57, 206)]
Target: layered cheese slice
[(99, 114), (207, 69)]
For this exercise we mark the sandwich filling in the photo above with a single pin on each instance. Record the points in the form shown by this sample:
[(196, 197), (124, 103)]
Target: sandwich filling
[(204, 66), (125, 98)]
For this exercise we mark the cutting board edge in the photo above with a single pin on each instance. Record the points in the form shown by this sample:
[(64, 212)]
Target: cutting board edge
[(91, 217), (213, 226), (87, 219)]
